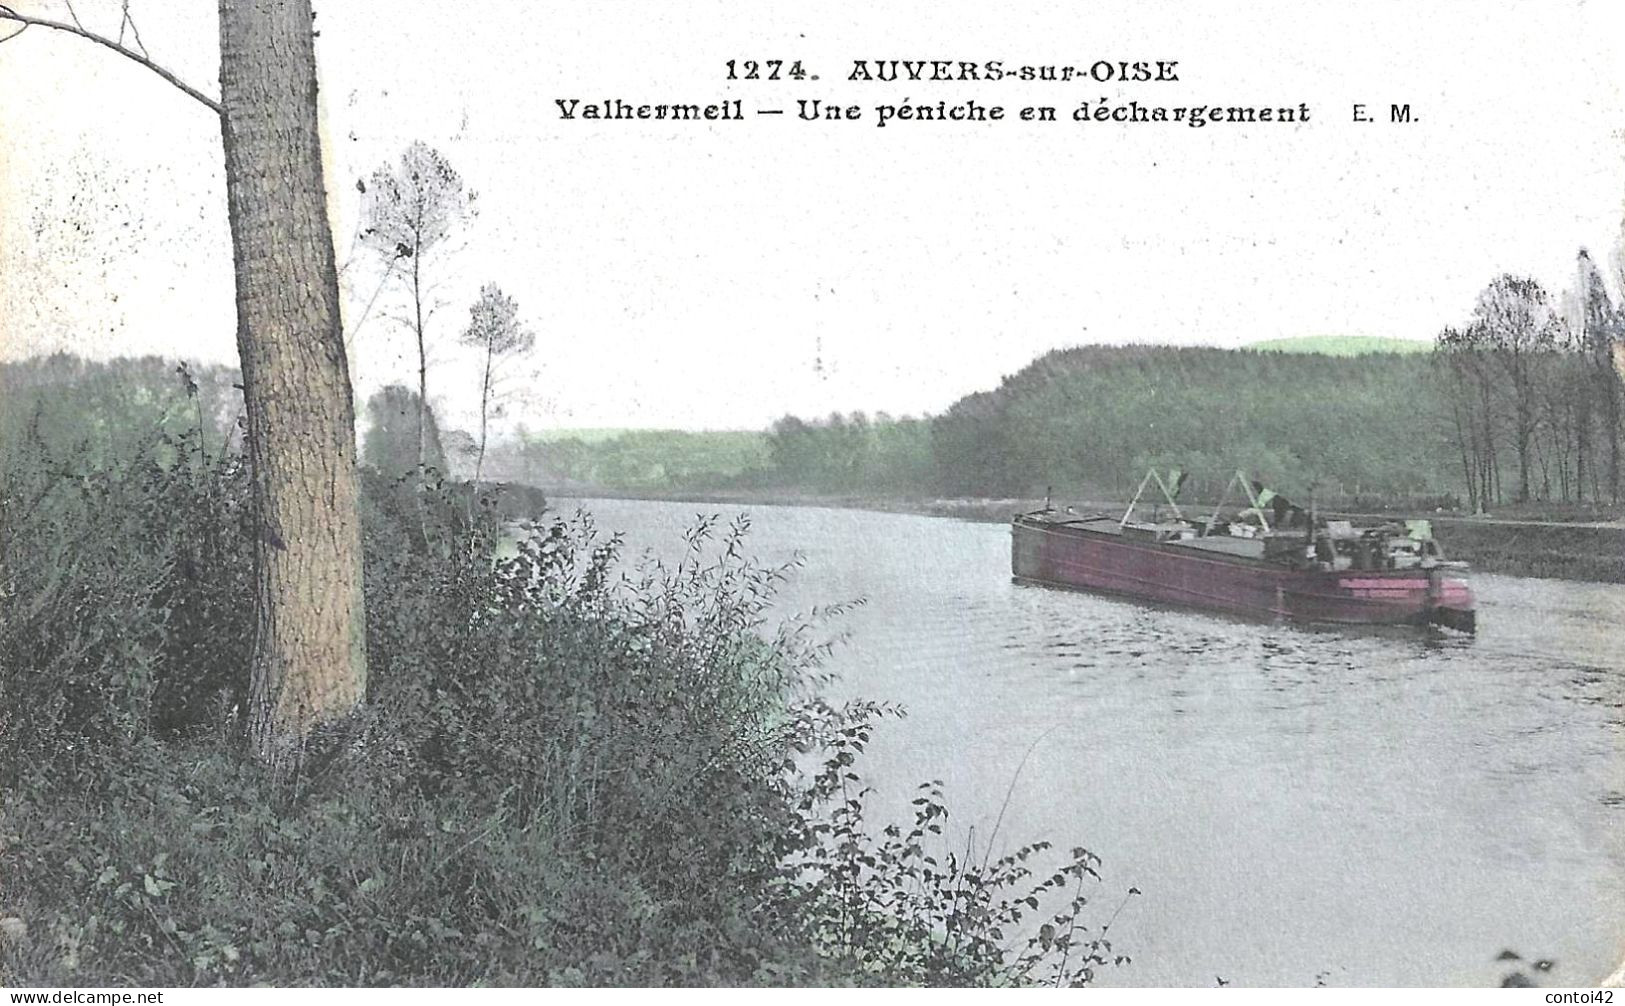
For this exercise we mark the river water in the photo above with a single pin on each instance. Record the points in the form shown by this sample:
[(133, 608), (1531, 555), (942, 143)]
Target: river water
[(1295, 805)]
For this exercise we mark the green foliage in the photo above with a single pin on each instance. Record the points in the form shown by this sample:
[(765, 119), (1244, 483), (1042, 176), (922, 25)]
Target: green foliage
[(1366, 429), (122, 582), (107, 414), (569, 769), (1093, 419), (897, 909), (851, 453), (633, 459), (391, 441)]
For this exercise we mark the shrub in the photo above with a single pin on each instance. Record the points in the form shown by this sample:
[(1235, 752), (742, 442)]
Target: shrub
[(122, 602), (570, 769), (896, 909)]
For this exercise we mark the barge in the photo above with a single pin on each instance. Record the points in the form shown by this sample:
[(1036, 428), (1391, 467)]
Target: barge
[(1271, 561)]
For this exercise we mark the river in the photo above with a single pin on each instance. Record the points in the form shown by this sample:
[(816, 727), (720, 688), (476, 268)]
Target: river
[(1295, 804)]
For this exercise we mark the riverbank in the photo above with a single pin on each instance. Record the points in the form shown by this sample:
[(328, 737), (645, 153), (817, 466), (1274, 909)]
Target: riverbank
[(1561, 549)]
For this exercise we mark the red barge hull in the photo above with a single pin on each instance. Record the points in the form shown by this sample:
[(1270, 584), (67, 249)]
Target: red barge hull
[(1221, 575)]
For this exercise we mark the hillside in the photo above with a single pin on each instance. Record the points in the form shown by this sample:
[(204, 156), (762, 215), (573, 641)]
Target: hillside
[(1093, 418), (1086, 422)]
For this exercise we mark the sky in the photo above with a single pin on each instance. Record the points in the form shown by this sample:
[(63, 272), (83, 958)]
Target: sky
[(721, 274)]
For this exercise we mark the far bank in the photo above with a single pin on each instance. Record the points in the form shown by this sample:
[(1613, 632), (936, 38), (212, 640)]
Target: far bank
[(1553, 548)]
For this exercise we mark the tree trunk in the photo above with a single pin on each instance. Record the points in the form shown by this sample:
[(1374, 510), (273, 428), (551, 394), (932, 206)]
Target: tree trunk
[(485, 412), (1524, 439), (1582, 435), (1466, 460), (1616, 382), (309, 662), (1611, 416), (423, 368)]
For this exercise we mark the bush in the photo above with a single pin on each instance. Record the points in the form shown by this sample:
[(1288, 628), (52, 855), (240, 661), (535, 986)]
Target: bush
[(123, 602), (569, 769)]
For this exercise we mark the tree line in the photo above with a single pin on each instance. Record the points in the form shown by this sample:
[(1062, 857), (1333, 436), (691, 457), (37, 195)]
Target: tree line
[(1533, 393), (1084, 422), (1521, 404)]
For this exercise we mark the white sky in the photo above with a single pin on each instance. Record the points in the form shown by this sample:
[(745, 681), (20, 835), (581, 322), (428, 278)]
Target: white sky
[(685, 275)]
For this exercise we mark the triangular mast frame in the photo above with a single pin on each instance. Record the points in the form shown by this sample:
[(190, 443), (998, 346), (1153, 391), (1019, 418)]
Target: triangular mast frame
[(1247, 491), (1151, 477)]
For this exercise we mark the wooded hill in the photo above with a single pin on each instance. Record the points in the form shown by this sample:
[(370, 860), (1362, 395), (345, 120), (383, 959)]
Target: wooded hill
[(1090, 420), (1085, 421), (1523, 404)]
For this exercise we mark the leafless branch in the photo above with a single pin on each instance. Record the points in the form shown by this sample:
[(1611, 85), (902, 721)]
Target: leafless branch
[(14, 34), (135, 32), (7, 14), (368, 309), (74, 14)]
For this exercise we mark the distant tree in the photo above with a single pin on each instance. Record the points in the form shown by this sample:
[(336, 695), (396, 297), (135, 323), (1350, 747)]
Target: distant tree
[(792, 447), (971, 445), (524, 456), (392, 440), (1600, 337), (900, 455), (409, 211), (1515, 325), (106, 411), (495, 332), (1470, 385), (460, 449), (853, 443), (1562, 391)]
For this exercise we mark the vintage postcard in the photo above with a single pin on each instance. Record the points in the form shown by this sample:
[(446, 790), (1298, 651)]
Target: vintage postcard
[(812, 494)]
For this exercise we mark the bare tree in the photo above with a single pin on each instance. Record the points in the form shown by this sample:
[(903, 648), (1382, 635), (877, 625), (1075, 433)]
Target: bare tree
[(1599, 338), (1453, 384), (1518, 330), (309, 656), (409, 211), (1561, 413), (494, 330), (1467, 383)]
